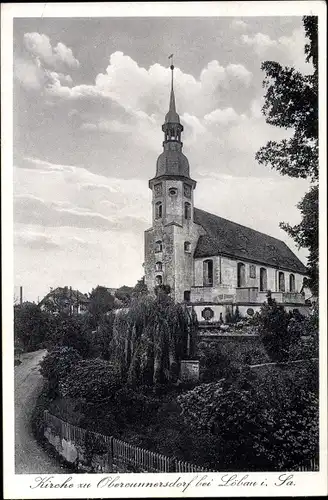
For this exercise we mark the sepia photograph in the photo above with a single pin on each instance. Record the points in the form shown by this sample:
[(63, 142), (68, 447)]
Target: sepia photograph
[(165, 294)]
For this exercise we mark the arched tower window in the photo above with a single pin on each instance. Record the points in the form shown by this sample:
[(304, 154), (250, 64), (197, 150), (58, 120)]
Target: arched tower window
[(159, 280), (208, 272), (263, 279), (158, 210), (281, 281), (187, 246), (187, 210), (241, 278), (159, 266), (291, 283), (158, 246)]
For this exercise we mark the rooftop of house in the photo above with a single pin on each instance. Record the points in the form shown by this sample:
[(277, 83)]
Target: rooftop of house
[(65, 292), (224, 237)]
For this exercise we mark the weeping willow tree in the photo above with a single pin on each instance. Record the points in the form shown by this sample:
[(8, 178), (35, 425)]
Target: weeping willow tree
[(149, 340)]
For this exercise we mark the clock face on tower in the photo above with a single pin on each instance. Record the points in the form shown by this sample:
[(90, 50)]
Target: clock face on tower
[(187, 191)]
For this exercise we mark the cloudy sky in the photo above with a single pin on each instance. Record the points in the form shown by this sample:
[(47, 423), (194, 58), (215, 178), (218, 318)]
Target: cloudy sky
[(90, 96)]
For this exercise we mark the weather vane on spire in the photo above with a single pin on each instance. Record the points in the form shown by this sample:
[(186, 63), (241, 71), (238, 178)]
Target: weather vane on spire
[(172, 66)]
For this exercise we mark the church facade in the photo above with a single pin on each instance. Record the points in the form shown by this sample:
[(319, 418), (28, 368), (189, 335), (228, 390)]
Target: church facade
[(209, 262)]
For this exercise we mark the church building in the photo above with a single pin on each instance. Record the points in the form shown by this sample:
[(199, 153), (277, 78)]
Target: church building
[(209, 262)]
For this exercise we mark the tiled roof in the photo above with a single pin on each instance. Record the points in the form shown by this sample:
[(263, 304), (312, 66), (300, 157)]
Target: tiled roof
[(65, 292), (224, 237)]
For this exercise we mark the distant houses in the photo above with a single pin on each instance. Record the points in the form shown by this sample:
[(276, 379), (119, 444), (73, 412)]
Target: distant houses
[(65, 300)]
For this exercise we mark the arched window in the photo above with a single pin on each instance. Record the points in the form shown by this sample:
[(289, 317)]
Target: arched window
[(241, 279), (208, 272), (263, 279), (159, 280), (281, 281), (187, 210), (158, 246), (252, 271), (159, 266), (187, 246), (186, 295), (291, 283), (158, 210)]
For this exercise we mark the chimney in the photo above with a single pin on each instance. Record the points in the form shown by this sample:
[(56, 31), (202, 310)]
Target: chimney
[(21, 295)]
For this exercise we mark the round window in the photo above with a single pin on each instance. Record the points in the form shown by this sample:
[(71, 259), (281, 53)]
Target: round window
[(173, 191)]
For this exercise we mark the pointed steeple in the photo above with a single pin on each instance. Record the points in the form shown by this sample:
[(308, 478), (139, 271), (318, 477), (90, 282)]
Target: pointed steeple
[(172, 162), (172, 127), (172, 116)]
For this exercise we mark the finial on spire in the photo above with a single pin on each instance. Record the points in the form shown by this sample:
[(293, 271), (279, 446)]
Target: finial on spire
[(172, 116), (172, 66)]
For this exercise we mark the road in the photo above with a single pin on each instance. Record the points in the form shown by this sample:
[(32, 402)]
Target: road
[(30, 457)]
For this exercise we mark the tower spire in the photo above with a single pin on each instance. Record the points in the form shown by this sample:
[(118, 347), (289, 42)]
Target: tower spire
[(172, 116)]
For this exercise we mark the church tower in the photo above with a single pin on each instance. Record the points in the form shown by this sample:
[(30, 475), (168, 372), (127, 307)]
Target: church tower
[(170, 242)]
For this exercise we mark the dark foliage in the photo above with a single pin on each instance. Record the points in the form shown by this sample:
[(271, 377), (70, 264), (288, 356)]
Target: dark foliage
[(30, 326), (57, 365), (291, 102)]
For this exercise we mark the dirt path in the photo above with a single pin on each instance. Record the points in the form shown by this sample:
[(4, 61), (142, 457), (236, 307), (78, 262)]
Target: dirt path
[(30, 458)]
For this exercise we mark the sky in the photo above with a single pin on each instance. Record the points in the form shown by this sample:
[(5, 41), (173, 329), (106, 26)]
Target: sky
[(90, 96)]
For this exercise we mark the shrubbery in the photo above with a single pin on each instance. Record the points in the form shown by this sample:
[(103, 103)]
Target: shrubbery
[(281, 332), (92, 380), (252, 426), (57, 365)]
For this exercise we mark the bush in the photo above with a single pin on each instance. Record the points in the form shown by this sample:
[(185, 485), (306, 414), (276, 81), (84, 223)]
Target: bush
[(249, 425), (273, 330), (30, 326), (213, 363), (67, 331), (92, 380), (57, 365)]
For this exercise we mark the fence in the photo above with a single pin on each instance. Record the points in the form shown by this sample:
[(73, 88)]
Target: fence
[(312, 465), (119, 452)]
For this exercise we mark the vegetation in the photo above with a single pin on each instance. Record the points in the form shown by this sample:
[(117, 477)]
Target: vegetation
[(57, 365), (122, 379), (30, 325), (251, 424), (100, 302), (281, 332), (291, 102), (149, 340)]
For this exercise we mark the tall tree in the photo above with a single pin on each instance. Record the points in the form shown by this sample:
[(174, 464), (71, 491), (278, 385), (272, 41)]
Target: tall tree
[(101, 302), (29, 326), (291, 102)]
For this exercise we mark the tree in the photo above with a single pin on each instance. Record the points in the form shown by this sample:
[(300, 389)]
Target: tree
[(65, 330), (149, 340), (140, 289), (29, 326), (101, 302), (273, 329), (291, 102), (124, 294), (57, 364)]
